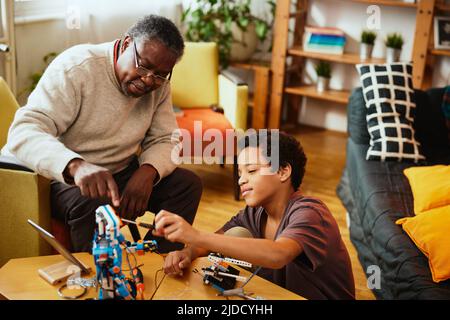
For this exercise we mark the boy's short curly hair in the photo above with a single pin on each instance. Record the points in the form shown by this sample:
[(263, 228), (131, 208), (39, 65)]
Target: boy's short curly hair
[(290, 151)]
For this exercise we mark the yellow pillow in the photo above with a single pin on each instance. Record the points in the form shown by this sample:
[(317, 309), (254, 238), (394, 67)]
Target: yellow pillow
[(430, 186), (430, 232)]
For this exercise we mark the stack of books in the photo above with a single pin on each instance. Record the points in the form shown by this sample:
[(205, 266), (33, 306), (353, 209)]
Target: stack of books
[(324, 40)]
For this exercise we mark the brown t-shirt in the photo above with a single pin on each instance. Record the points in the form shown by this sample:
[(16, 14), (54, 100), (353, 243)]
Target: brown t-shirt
[(323, 270)]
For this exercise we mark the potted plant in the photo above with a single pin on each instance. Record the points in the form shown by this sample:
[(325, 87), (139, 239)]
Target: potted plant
[(323, 70), (394, 43), (367, 42), (230, 23)]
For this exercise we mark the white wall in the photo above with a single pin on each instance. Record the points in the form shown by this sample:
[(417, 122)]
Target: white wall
[(55, 26)]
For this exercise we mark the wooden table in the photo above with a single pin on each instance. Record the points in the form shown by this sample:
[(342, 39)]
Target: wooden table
[(191, 287), (19, 280)]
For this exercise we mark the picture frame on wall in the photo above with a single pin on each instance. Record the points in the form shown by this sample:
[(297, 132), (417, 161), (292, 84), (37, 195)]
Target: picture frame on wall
[(442, 33)]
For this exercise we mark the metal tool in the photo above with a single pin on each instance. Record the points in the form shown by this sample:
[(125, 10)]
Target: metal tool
[(140, 224), (240, 291), (251, 276)]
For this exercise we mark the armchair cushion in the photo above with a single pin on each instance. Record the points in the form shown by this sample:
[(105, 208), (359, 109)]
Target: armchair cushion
[(208, 119), (194, 81), (12, 163), (8, 107), (24, 195)]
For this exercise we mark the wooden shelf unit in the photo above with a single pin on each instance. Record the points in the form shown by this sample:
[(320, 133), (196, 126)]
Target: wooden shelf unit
[(347, 58), (339, 96), (391, 3), (281, 50), (438, 52), (443, 7)]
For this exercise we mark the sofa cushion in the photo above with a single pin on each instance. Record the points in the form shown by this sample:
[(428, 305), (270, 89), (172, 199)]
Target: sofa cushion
[(433, 138), (429, 231), (356, 118), (430, 186), (390, 104)]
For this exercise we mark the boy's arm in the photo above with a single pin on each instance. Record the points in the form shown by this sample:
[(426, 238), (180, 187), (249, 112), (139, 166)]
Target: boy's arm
[(176, 261), (197, 251), (263, 252)]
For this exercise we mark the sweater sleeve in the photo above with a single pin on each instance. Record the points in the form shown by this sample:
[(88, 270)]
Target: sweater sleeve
[(51, 109), (161, 137)]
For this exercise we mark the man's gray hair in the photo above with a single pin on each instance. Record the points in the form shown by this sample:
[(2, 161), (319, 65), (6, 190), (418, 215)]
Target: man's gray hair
[(153, 27)]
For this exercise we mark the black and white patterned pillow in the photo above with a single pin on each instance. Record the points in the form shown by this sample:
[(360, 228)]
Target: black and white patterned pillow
[(390, 103)]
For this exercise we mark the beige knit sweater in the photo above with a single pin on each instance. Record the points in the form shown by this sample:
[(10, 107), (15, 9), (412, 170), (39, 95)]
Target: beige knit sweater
[(78, 111)]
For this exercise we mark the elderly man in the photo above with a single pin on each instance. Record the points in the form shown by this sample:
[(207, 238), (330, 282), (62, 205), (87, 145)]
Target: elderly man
[(99, 124)]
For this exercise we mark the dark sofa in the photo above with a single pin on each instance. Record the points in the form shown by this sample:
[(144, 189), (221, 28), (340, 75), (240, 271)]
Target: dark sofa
[(376, 194)]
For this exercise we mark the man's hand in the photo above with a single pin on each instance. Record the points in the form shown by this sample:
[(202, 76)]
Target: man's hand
[(176, 261), (137, 192), (93, 181), (174, 228)]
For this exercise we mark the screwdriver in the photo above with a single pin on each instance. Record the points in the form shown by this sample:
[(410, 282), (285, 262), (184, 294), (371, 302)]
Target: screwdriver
[(141, 224)]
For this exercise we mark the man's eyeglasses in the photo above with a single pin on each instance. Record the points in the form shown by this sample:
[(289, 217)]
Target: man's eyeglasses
[(144, 72)]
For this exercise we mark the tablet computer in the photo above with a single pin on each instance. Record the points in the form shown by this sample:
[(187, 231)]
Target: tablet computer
[(59, 247)]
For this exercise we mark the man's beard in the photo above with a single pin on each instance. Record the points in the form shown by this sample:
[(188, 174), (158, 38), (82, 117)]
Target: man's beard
[(125, 89)]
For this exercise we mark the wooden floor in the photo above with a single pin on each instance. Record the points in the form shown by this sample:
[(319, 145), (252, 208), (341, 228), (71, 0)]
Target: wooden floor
[(325, 151)]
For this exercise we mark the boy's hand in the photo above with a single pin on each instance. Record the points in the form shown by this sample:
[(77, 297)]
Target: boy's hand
[(176, 261), (174, 228)]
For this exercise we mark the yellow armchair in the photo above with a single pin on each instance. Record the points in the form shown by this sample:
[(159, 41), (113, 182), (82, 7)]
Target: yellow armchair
[(23, 195), (200, 91)]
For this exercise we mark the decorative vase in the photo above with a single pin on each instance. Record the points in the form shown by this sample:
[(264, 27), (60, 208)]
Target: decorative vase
[(365, 51), (246, 44), (392, 55), (322, 84)]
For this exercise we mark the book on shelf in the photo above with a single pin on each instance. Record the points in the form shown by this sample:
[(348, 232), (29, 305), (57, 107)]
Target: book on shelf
[(338, 50), (324, 40), (325, 30)]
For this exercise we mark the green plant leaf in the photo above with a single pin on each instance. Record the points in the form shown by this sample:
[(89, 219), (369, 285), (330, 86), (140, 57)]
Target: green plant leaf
[(197, 16), (394, 40), (212, 20), (368, 37), (323, 69), (185, 14), (228, 23), (243, 22), (261, 30), (49, 57)]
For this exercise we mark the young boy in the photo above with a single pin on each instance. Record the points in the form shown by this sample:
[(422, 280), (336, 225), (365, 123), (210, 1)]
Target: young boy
[(295, 238)]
